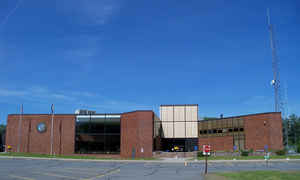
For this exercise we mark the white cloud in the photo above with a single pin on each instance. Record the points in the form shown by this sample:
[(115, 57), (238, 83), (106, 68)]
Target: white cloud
[(17, 93), (79, 99), (35, 93), (93, 12)]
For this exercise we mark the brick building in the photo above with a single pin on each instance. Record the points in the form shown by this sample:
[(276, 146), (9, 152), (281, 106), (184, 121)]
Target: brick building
[(128, 134), (254, 131), (140, 133)]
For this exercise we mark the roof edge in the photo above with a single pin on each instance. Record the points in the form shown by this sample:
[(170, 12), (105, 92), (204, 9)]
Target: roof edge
[(255, 114)]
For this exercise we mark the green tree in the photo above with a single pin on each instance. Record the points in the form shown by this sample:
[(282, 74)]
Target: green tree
[(2, 134), (293, 127), (209, 118)]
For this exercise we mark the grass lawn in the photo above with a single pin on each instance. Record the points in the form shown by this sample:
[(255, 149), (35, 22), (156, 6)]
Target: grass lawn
[(247, 157), (265, 175), (66, 157)]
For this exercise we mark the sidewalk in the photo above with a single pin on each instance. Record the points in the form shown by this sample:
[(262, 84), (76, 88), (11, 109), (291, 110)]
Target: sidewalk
[(165, 160)]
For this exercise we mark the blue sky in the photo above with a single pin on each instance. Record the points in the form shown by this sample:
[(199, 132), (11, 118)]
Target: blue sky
[(122, 55)]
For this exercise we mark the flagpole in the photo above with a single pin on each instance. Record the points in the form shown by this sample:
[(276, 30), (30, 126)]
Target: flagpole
[(52, 114), (19, 129)]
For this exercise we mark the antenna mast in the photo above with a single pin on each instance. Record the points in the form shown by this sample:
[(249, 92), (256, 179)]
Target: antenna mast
[(276, 79), (280, 106)]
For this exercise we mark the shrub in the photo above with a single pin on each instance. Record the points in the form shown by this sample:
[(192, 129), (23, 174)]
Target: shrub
[(280, 152), (298, 148), (251, 151), (200, 154), (245, 153)]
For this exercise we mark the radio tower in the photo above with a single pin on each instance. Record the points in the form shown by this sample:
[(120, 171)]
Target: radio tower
[(276, 78), (279, 104)]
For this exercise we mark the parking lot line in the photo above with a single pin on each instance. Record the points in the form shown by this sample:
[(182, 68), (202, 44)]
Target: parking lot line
[(81, 171), (20, 177), (85, 169), (103, 175), (55, 175)]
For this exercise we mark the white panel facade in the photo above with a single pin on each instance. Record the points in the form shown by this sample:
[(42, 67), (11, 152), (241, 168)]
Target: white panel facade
[(182, 118), (192, 129), (179, 113), (191, 113), (167, 130), (166, 113), (179, 129)]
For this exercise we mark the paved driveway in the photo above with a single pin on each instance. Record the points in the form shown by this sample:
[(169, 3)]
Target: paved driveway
[(34, 169)]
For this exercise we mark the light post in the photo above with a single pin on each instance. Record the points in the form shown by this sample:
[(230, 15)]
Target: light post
[(52, 114)]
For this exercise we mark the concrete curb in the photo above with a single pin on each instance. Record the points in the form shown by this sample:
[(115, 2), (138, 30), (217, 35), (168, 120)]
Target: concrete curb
[(148, 161)]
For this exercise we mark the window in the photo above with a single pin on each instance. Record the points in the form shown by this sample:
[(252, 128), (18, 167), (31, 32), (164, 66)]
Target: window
[(97, 134)]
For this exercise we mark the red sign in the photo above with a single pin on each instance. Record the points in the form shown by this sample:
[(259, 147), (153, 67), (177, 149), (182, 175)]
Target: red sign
[(206, 149)]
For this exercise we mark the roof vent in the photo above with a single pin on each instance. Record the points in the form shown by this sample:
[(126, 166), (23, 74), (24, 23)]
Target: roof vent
[(84, 112)]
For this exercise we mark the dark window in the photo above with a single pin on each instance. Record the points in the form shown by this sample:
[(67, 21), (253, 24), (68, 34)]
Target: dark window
[(230, 130), (112, 126), (97, 125), (236, 129), (214, 131), (241, 129), (97, 134), (220, 131), (209, 131), (205, 132)]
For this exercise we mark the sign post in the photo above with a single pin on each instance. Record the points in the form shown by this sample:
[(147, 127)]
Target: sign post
[(267, 155), (206, 152)]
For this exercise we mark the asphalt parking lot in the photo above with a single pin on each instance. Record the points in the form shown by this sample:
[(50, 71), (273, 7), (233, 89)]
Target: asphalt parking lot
[(36, 169)]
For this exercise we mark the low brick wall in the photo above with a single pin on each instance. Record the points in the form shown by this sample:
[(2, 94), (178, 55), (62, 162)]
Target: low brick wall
[(174, 154)]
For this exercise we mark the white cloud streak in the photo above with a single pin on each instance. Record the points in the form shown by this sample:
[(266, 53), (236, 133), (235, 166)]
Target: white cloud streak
[(92, 12), (39, 95), (36, 93), (3, 22)]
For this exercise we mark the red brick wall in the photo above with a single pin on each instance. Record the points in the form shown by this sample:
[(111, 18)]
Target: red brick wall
[(34, 142), (260, 130), (221, 143), (263, 129), (276, 137), (137, 133)]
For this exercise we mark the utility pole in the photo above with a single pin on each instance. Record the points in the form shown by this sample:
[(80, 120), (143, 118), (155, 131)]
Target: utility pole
[(20, 128), (286, 116), (52, 114)]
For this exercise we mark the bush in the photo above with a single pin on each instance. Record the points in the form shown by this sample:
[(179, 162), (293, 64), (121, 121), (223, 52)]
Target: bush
[(245, 153), (200, 154), (251, 151), (298, 148), (280, 152)]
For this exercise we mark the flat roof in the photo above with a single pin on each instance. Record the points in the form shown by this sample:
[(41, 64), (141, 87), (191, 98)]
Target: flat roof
[(179, 105), (230, 117), (67, 114)]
